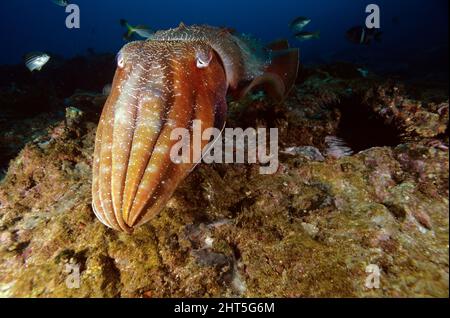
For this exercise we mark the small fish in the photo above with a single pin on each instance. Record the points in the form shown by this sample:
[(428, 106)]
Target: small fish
[(299, 23), (61, 3), (364, 72), (304, 36), (36, 60), (362, 35), (141, 30)]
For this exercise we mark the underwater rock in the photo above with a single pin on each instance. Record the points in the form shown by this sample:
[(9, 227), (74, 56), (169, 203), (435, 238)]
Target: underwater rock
[(73, 116), (411, 117), (310, 153), (310, 230), (31, 104)]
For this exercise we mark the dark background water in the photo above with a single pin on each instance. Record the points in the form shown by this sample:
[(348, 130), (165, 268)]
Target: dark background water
[(412, 30)]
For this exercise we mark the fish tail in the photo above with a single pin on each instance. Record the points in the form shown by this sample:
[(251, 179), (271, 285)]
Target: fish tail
[(316, 35), (124, 23), (128, 35)]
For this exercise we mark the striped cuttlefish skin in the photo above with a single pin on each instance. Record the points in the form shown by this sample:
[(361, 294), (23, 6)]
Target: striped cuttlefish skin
[(160, 85)]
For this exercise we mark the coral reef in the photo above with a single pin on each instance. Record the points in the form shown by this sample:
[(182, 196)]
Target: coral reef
[(310, 230)]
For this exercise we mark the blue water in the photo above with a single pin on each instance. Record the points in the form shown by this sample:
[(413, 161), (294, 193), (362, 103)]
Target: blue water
[(39, 25)]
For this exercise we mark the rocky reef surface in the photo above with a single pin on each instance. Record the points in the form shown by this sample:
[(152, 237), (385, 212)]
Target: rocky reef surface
[(313, 229)]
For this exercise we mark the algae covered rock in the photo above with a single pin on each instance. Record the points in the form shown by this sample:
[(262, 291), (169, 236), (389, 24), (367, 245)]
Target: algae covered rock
[(319, 227)]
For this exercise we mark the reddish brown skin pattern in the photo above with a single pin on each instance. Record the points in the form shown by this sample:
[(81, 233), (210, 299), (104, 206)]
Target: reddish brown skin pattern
[(157, 88), (178, 76), (239, 62)]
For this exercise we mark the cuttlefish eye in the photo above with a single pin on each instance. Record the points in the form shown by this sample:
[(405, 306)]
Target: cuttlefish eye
[(120, 60), (204, 58)]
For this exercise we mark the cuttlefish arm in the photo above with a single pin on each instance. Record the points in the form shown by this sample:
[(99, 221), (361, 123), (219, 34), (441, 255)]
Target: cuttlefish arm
[(158, 87)]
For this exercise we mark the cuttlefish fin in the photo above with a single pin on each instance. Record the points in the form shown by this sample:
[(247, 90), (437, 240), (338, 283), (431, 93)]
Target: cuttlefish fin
[(285, 64), (270, 82), (279, 77), (278, 45)]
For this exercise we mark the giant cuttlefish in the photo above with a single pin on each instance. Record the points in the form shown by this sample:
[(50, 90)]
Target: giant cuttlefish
[(168, 81)]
